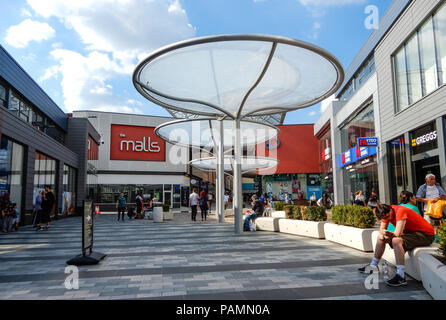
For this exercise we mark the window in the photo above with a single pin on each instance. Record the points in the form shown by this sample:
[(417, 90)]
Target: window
[(361, 126), (14, 104), (398, 168), (69, 190), (45, 170), (428, 63), (413, 70), (2, 96), (440, 37), (420, 64)]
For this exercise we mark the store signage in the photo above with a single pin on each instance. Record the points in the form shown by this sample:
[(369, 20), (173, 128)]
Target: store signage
[(346, 157), (368, 142), (326, 154), (431, 136), (355, 154), (136, 143), (272, 144)]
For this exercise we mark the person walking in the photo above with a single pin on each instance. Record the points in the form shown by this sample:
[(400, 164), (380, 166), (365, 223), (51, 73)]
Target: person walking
[(193, 203), (37, 209), (120, 205), (7, 213), (139, 205), (48, 203), (313, 199), (203, 205)]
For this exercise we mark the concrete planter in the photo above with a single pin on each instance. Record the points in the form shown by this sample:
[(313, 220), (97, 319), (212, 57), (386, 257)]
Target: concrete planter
[(433, 275), (168, 215), (411, 258), (360, 239), (310, 229), (157, 214), (267, 224), (278, 214)]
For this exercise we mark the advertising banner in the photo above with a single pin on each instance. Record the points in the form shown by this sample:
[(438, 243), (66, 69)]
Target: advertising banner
[(87, 226)]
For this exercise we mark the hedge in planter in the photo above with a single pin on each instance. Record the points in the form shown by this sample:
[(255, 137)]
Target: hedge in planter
[(166, 207), (289, 211), (309, 213), (442, 239), (278, 206), (353, 216)]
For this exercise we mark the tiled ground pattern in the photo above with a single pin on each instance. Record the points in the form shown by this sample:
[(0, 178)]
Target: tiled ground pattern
[(180, 260)]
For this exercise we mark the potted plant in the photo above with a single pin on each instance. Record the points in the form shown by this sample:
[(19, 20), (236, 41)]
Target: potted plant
[(352, 226), (306, 221), (433, 268), (167, 213)]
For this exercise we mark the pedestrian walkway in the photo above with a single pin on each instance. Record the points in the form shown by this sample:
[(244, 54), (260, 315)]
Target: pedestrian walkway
[(181, 259)]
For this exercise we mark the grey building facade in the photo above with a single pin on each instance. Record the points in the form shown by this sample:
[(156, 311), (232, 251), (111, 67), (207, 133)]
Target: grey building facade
[(40, 145), (411, 68)]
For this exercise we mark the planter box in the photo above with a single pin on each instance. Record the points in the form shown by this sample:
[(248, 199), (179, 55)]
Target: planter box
[(433, 275), (278, 214), (411, 258), (168, 215), (356, 238), (267, 224), (158, 214), (310, 229)]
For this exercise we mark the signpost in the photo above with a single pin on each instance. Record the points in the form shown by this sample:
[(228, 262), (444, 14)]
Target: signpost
[(88, 256)]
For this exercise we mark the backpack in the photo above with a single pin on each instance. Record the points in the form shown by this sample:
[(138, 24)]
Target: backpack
[(202, 201)]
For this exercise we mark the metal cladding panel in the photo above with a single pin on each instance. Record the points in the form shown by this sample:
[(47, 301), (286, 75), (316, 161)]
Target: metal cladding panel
[(14, 74), (395, 9)]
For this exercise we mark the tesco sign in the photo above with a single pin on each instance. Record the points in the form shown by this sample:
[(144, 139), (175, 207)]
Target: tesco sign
[(136, 143)]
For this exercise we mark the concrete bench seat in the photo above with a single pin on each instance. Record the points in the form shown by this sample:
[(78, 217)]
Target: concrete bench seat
[(267, 224), (411, 258)]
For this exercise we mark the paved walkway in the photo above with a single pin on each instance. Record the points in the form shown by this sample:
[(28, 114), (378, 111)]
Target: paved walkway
[(184, 260)]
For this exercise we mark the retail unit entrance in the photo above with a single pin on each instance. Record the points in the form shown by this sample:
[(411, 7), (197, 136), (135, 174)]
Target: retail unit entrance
[(425, 166)]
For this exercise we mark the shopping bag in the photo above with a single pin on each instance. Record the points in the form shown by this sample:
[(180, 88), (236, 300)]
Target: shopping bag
[(435, 209)]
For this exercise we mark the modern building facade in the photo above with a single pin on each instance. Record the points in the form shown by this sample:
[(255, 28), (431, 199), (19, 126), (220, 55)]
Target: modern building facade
[(298, 173), (356, 113), (40, 145), (401, 102), (133, 159), (411, 67)]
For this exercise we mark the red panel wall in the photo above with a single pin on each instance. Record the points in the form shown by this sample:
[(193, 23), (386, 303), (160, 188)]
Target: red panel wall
[(297, 151)]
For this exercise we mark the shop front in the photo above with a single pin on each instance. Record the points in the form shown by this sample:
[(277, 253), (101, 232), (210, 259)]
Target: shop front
[(413, 156)]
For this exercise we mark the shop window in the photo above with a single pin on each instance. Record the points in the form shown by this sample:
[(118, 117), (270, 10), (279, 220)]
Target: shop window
[(11, 171), (398, 168), (45, 172), (361, 125), (428, 63), (69, 190)]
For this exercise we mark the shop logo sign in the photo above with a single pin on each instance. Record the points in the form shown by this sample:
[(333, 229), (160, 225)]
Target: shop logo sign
[(139, 146), (272, 144), (368, 142), (137, 143), (432, 136)]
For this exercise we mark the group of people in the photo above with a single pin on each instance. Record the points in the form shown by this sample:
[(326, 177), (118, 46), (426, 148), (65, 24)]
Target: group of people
[(9, 215), (204, 200), (45, 203), (403, 227), (360, 200), (135, 211), (324, 201)]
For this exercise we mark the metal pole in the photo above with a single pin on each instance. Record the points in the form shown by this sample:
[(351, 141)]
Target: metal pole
[(237, 187), (221, 175)]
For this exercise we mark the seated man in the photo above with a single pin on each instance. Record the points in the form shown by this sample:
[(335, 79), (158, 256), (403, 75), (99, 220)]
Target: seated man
[(411, 231)]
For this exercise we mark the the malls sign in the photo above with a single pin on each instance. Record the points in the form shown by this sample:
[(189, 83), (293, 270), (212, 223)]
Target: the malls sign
[(136, 143)]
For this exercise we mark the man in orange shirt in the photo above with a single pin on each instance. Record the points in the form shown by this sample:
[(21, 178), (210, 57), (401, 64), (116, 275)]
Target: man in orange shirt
[(411, 231)]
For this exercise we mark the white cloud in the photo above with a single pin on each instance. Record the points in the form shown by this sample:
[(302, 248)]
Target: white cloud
[(326, 3), (28, 30), (117, 34), (325, 103), (312, 113)]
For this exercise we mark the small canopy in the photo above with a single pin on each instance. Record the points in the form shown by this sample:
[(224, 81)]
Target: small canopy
[(237, 76), (205, 132), (248, 163)]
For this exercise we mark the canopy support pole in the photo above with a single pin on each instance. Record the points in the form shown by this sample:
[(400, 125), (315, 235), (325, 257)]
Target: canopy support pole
[(237, 186), (220, 175)]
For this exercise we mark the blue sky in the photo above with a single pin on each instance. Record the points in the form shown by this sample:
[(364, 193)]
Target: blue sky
[(83, 52)]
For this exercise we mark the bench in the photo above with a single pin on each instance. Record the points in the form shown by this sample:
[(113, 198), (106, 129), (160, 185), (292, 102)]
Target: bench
[(411, 258)]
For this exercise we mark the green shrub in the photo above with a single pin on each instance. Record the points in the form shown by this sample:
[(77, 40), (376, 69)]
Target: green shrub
[(289, 213), (297, 212), (353, 216), (315, 214), (442, 239), (166, 207), (278, 206)]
